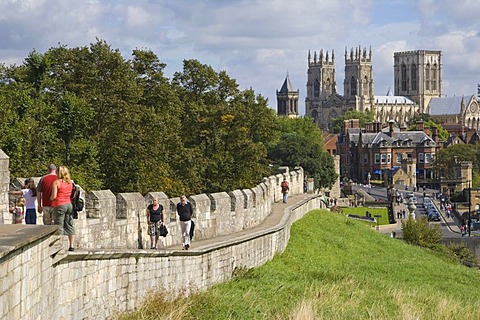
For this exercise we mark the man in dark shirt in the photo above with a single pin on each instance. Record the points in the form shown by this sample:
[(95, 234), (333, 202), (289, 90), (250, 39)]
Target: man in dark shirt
[(185, 212)]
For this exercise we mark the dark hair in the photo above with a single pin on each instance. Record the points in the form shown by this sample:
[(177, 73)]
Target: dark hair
[(31, 185)]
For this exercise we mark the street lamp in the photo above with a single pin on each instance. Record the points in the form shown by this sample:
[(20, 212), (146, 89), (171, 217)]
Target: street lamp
[(469, 205)]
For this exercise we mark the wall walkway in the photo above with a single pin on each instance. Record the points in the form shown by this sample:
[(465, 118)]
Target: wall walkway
[(40, 280)]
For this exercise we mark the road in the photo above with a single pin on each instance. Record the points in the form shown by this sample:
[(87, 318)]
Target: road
[(448, 226)]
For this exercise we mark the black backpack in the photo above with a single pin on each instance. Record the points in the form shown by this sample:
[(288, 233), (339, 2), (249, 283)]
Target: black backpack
[(77, 202)]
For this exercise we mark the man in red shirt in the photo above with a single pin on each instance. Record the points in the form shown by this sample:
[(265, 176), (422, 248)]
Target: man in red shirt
[(44, 191)]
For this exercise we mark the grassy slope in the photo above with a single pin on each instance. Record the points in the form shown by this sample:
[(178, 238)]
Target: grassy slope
[(335, 268)]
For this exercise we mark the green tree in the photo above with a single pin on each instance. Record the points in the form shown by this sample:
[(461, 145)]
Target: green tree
[(428, 122), (364, 117), (446, 158), (300, 143), (224, 130)]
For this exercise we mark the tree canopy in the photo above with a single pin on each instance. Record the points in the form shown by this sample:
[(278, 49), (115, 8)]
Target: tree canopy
[(299, 142), (364, 117), (120, 124)]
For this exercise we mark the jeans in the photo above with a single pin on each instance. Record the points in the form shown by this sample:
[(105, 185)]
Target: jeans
[(285, 196), (185, 228), (31, 216)]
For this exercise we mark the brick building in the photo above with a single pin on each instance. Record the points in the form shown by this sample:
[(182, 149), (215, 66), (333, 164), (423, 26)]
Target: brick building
[(377, 153)]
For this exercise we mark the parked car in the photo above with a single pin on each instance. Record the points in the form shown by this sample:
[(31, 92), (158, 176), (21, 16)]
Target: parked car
[(434, 216), (409, 194)]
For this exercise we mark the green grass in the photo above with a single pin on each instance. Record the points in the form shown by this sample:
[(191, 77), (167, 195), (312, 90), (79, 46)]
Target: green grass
[(360, 211), (336, 268)]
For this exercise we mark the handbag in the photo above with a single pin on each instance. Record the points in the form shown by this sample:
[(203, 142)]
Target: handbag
[(163, 230)]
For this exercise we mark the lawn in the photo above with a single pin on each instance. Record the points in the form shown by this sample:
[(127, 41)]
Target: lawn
[(335, 268), (360, 211)]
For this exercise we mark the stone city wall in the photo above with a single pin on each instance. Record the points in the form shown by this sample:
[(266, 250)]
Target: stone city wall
[(120, 221), (40, 281)]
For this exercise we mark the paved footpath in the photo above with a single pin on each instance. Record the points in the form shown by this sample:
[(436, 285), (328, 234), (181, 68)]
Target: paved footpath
[(271, 220)]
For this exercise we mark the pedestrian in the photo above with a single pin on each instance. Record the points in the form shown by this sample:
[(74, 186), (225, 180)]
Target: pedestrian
[(18, 211), (44, 192), (285, 188), (29, 193), (154, 220), (185, 212), (63, 208)]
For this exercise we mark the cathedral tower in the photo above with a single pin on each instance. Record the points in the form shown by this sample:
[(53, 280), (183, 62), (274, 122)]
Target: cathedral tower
[(418, 74), (287, 100), (321, 84), (358, 83)]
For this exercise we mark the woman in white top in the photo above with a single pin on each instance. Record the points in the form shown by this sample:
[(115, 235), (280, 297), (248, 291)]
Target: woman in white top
[(29, 192)]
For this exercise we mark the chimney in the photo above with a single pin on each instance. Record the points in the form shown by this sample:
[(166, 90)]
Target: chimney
[(435, 134), (346, 126), (420, 125), (390, 128), (355, 123)]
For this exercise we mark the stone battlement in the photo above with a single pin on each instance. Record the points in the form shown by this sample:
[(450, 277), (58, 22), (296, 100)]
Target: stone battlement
[(111, 274)]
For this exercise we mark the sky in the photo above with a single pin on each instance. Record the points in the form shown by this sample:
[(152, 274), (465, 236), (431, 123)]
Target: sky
[(257, 42)]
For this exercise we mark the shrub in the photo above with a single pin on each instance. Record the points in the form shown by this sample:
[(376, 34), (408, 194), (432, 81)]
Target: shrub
[(463, 253), (420, 233)]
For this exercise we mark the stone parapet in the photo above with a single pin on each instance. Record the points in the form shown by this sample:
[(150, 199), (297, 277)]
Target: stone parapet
[(98, 284)]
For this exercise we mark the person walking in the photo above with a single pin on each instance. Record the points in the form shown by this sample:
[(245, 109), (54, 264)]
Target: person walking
[(285, 188), (44, 192), (29, 193), (155, 220), (185, 212), (61, 202)]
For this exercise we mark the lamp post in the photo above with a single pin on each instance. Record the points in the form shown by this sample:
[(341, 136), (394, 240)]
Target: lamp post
[(469, 205)]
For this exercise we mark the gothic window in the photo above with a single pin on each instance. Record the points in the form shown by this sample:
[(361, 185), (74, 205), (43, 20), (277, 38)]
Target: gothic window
[(353, 86), (427, 76), (327, 84), (404, 78), (413, 76), (434, 77), (365, 86), (316, 89)]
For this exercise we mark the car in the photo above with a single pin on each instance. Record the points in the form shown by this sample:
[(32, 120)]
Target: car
[(434, 217), (409, 194), (414, 199)]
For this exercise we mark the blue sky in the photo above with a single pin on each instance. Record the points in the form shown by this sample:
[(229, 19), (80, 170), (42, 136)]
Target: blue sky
[(256, 41)]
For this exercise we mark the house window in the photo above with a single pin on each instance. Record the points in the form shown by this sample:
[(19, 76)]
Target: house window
[(389, 158), (399, 158), (377, 158), (428, 157), (420, 158), (409, 156), (365, 158), (384, 158)]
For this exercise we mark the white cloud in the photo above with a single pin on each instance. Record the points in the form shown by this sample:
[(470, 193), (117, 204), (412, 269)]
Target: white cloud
[(257, 42)]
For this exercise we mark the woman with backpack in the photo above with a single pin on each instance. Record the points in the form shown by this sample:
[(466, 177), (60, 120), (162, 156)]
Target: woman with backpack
[(62, 205)]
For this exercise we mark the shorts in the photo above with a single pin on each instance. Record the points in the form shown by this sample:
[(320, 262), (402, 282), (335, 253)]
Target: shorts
[(154, 228)]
